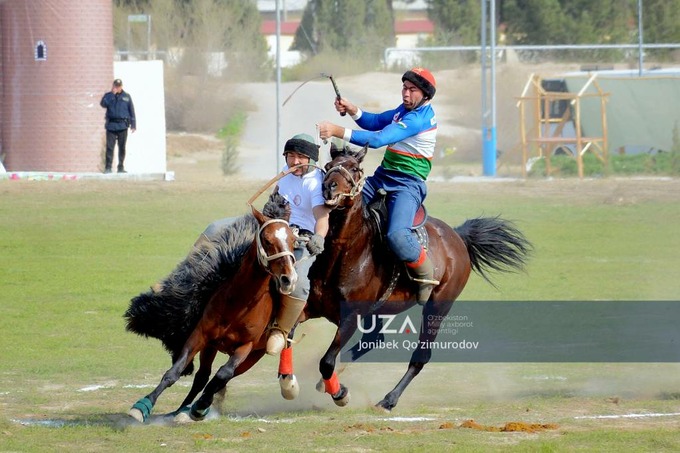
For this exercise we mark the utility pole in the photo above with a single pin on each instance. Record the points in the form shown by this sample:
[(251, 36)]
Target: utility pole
[(488, 54), (640, 40), (278, 87)]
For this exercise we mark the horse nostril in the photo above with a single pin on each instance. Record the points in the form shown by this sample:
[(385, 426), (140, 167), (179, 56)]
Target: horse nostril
[(285, 281)]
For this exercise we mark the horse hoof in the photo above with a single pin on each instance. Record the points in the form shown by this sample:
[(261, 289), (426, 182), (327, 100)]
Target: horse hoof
[(198, 415), (181, 415), (384, 406), (141, 410), (381, 409), (342, 397), (136, 414), (182, 418), (290, 388), (320, 386)]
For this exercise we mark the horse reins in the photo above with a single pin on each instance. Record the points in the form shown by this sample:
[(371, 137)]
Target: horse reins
[(262, 256), (356, 185), (277, 178)]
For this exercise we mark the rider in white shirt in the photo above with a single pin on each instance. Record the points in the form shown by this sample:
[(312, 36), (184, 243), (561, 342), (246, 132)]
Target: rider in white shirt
[(303, 190)]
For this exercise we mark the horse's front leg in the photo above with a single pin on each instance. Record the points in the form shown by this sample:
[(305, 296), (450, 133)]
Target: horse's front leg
[(238, 363), (206, 357), (421, 355), (329, 379), (290, 388), (141, 410), (372, 334)]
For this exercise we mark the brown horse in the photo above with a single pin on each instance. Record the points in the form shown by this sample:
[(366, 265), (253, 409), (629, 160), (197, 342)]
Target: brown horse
[(357, 273), (238, 310)]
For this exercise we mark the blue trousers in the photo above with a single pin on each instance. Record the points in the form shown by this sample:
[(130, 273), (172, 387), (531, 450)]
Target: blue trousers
[(405, 193)]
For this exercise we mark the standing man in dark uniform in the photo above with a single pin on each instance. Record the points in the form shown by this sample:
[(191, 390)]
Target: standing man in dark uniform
[(120, 115)]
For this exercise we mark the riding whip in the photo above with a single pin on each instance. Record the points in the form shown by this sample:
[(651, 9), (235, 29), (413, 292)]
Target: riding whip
[(320, 76), (335, 87), (276, 178)]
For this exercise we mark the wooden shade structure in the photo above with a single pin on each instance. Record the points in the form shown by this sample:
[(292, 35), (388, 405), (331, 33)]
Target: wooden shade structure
[(543, 133)]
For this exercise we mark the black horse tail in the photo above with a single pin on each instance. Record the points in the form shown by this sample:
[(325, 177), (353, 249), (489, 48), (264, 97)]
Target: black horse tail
[(167, 317), (494, 244), (172, 310)]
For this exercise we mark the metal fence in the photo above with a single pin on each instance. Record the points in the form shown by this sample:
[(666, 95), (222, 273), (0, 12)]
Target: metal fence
[(452, 56)]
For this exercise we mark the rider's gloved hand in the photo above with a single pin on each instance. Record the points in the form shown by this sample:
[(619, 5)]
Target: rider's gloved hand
[(315, 244)]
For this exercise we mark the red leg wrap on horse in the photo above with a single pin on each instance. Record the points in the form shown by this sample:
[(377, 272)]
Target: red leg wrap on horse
[(332, 385), (286, 361)]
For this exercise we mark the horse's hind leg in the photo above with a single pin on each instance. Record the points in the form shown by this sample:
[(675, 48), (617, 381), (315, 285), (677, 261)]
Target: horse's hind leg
[(290, 388), (240, 362), (431, 321)]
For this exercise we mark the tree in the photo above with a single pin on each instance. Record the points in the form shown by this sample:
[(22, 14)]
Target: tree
[(534, 22), (203, 28), (352, 27), (457, 22), (660, 20)]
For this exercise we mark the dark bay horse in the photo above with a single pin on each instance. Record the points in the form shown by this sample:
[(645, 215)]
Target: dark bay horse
[(357, 269), (218, 300)]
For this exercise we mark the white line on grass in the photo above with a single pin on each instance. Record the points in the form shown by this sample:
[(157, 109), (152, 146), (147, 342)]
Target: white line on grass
[(582, 417)]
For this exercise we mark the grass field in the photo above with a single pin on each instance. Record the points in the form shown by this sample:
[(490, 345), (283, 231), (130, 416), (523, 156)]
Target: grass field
[(75, 252)]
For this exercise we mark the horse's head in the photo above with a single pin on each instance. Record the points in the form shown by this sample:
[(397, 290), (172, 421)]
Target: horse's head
[(275, 243), (344, 176)]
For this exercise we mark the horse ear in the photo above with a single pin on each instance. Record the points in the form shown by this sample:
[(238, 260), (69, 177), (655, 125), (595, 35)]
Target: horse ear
[(334, 151), (277, 207), (362, 153), (258, 215)]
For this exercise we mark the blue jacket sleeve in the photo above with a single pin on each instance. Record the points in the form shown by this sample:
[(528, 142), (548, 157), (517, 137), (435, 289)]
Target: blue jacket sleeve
[(133, 118), (390, 133), (107, 99)]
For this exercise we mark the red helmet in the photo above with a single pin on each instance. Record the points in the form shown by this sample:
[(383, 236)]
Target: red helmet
[(423, 79)]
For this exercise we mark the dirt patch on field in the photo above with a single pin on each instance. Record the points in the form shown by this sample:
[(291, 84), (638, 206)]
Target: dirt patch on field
[(510, 427)]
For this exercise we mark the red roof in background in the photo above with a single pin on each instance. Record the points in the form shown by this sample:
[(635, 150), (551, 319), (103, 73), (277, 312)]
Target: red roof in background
[(400, 27), (287, 28), (413, 26)]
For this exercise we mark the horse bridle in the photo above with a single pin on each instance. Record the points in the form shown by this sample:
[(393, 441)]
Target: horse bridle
[(262, 256), (356, 185)]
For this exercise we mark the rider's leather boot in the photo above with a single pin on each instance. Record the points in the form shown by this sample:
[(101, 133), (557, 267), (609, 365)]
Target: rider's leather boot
[(422, 271), (291, 308)]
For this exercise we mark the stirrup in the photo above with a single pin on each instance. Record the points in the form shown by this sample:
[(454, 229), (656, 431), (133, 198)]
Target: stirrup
[(289, 341), (424, 280)]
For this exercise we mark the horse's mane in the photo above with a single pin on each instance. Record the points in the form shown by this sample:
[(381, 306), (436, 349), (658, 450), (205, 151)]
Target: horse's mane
[(171, 314)]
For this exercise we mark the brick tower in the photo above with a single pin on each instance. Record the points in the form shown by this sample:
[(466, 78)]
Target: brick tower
[(56, 63)]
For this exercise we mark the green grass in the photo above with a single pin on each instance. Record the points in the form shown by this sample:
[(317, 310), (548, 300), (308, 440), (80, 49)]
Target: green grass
[(74, 253), (660, 164)]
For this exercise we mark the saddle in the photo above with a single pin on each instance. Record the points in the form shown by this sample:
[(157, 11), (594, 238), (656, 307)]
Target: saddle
[(378, 210), (378, 213)]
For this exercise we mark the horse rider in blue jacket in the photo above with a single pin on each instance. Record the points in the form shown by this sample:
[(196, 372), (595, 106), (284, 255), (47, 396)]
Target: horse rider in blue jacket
[(409, 131)]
